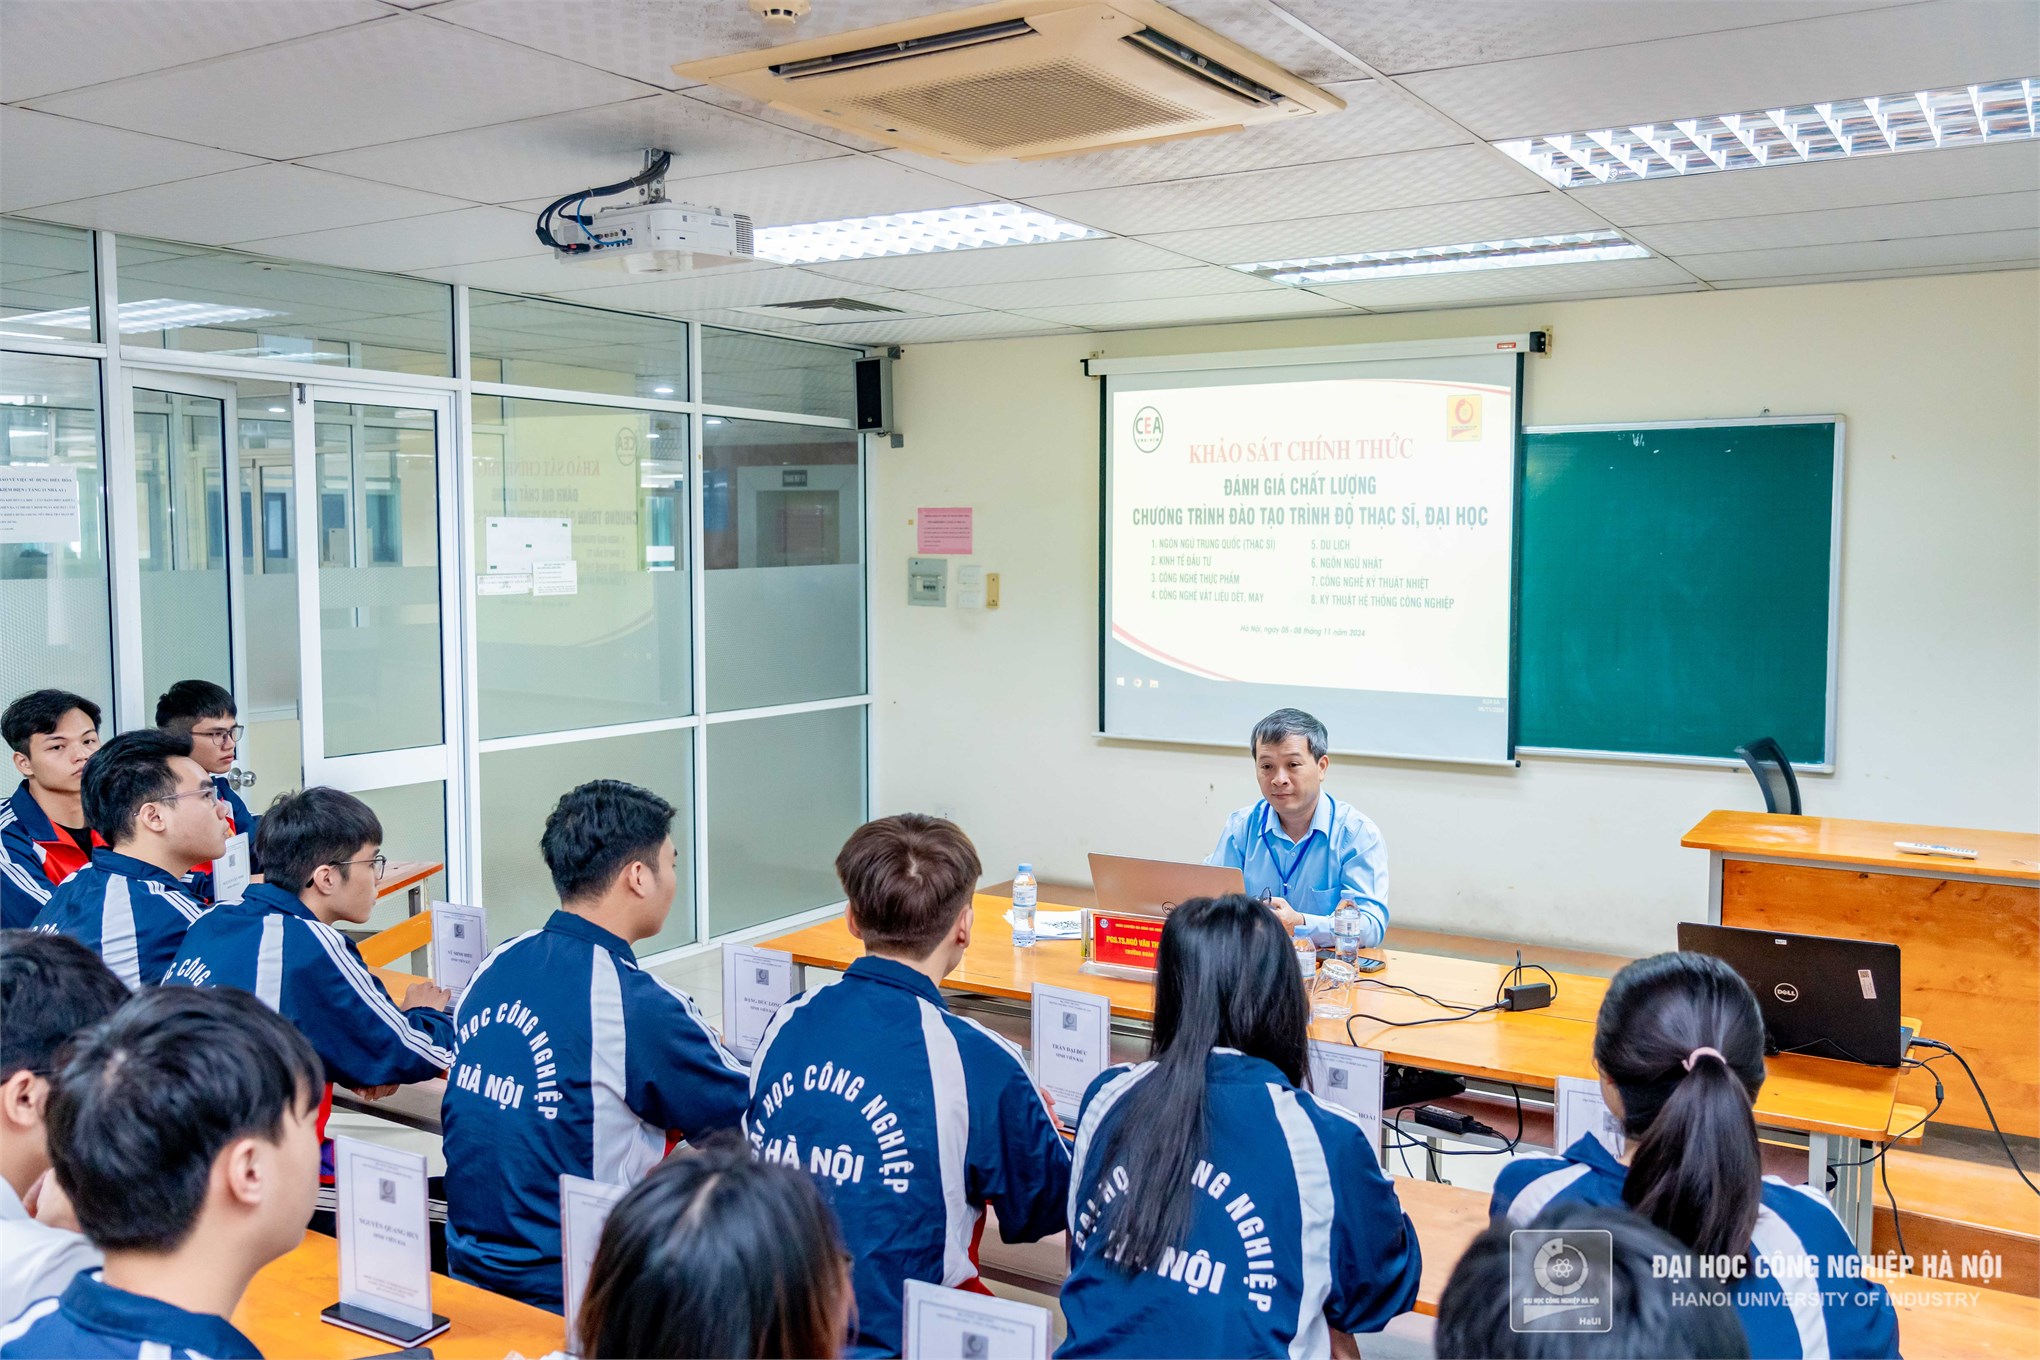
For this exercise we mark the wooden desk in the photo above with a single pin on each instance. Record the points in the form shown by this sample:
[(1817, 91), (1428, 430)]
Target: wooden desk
[(415, 1106), (1837, 1108), (280, 1314), (1969, 931)]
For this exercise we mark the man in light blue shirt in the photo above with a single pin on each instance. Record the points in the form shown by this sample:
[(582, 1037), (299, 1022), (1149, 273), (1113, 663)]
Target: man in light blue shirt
[(1298, 846)]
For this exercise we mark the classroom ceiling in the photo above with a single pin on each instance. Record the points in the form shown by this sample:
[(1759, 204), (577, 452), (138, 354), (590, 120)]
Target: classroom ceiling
[(421, 137)]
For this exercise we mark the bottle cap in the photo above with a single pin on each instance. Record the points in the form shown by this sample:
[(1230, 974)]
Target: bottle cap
[(1027, 868)]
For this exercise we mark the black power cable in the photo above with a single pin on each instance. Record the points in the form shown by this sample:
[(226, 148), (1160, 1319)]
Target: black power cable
[(1989, 1114), (544, 229)]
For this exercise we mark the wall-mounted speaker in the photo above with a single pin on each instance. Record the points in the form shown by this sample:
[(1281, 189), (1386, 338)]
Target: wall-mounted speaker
[(874, 395)]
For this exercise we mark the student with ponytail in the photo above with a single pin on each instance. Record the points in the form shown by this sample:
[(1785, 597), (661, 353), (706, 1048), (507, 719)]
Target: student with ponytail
[(1216, 1209), (1679, 1044)]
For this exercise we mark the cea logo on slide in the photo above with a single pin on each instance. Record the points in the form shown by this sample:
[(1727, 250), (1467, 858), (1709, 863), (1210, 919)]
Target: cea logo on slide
[(1147, 429)]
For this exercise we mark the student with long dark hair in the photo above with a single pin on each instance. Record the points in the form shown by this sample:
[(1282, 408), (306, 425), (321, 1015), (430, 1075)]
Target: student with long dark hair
[(1216, 1208), (1680, 1048), (716, 1254)]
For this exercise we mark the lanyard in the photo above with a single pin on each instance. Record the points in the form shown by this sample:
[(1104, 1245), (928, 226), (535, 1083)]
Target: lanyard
[(1261, 822)]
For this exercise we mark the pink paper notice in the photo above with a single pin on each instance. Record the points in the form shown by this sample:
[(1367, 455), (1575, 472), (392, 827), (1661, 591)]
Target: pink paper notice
[(943, 529)]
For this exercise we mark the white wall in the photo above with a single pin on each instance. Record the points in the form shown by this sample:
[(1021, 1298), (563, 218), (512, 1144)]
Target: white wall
[(988, 716)]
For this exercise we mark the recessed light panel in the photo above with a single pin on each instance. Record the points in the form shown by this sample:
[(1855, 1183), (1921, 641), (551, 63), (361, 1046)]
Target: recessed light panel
[(916, 233), (1569, 247)]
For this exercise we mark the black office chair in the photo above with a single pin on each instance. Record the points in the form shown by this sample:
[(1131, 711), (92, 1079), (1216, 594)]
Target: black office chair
[(1767, 762)]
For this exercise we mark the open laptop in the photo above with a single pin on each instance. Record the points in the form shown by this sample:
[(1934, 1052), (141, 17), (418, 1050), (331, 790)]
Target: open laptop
[(1826, 997), (1148, 885)]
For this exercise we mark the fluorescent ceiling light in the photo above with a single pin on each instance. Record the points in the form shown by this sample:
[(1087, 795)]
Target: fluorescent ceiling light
[(1569, 248), (1877, 125), (152, 314), (662, 391), (916, 233)]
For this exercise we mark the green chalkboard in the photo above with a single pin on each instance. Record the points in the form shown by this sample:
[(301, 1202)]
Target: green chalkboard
[(1676, 588)]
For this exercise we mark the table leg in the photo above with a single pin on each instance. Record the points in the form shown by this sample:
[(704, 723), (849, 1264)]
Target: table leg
[(414, 902), (1854, 1195)]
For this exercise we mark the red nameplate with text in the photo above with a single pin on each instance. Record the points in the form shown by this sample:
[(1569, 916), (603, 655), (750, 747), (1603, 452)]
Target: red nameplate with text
[(1126, 941)]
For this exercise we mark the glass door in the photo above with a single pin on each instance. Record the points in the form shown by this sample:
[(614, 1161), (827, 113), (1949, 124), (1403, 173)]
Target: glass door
[(378, 614)]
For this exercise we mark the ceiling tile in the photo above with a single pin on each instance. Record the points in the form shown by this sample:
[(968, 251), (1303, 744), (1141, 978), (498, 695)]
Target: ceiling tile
[(464, 236), (1445, 304), (1432, 224), (53, 46), (1442, 176), (1196, 281), (1985, 247), (1859, 275), (1991, 212), (1006, 264), (1966, 172), (398, 77), (765, 113), (716, 288), (1872, 52), (1395, 36), (51, 159), (1375, 121), (1252, 25), (240, 205), (645, 39), (557, 154), (1542, 280), (1180, 311), (820, 191)]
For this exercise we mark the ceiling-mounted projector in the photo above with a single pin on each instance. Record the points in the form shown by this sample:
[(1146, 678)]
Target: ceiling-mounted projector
[(657, 238), (649, 236)]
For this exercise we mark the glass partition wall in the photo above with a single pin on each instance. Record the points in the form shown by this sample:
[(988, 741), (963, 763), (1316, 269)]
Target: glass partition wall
[(453, 551)]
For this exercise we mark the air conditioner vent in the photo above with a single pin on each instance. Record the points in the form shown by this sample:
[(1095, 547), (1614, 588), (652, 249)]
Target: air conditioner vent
[(1023, 79), (1059, 100), (831, 305)]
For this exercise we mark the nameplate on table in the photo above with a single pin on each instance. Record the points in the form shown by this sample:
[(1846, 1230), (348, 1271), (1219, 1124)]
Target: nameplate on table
[(1122, 944), (1072, 1038), (584, 1208), (460, 941), (1349, 1078), (755, 984), (953, 1324), (1579, 1109), (231, 873), (385, 1244)]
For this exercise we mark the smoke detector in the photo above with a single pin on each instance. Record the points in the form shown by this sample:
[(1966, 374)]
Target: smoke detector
[(781, 13)]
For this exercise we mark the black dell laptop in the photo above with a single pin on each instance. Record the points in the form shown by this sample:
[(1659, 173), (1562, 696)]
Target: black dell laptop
[(1824, 997)]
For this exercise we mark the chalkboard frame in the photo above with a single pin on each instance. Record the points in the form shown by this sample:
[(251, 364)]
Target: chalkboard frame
[(1826, 765)]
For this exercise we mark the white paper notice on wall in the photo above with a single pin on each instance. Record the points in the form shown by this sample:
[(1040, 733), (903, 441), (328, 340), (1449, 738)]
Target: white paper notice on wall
[(519, 543), (950, 1324), (1581, 1111), (555, 578), (39, 505), (970, 587), (1349, 1078), (504, 583)]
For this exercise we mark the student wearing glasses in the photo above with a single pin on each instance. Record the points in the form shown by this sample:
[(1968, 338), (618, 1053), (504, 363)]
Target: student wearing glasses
[(161, 815), (43, 835), (281, 941), (205, 712)]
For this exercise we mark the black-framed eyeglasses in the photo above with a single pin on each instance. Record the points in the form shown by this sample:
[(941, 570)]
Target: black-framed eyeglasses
[(209, 793), (381, 863), (223, 736)]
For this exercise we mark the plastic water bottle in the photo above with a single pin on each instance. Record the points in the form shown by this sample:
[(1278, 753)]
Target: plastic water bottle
[(1346, 931), (1306, 954), (1023, 908)]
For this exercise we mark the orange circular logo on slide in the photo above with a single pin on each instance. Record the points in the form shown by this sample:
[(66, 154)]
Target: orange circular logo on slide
[(1462, 417)]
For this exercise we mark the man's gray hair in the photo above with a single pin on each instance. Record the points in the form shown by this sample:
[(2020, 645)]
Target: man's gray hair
[(1290, 722)]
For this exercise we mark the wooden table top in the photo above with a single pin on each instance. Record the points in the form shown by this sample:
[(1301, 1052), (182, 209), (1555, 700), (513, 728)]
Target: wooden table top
[(1814, 1095), (403, 874), (1835, 840), (280, 1314)]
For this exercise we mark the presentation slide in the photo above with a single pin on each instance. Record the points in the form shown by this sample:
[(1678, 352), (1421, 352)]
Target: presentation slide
[(1333, 537)]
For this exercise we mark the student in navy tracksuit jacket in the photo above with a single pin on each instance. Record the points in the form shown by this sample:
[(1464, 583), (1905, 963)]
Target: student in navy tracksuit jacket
[(205, 712), (1218, 1209), (283, 946), (911, 1120), (1680, 1047), (130, 905), (570, 1058), (184, 1129), (44, 838)]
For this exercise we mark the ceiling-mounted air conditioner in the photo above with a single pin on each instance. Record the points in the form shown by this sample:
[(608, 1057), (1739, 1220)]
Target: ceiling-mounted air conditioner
[(1023, 79)]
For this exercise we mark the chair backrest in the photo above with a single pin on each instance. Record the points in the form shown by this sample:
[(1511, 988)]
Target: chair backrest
[(1767, 762)]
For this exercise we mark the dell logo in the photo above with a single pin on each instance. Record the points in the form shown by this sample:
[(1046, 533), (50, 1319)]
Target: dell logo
[(1786, 992)]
